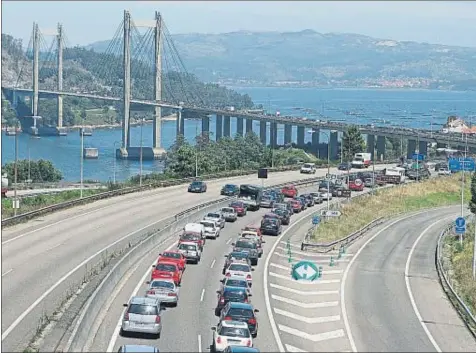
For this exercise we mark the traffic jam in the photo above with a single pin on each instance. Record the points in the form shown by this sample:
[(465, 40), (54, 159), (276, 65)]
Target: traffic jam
[(237, 318)]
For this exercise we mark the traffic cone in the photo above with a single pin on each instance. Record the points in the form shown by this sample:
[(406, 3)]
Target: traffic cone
[(290, 259), (319, 272), (331, 264), (339, 255)]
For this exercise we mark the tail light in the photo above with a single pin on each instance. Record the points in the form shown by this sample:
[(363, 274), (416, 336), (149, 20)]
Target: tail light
[(248, 277), (151, 292), (157, 319), (228, 318), (222, 300), (246, 300), (126, 316), (248, 343), (252, 321), (218, 339), (228, 274), (172, 294)]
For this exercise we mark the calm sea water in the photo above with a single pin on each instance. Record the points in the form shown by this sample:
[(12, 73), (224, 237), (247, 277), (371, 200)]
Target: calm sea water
[(411, 108)]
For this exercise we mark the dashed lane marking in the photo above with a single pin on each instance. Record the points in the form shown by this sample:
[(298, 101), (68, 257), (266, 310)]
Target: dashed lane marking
[(290, 348), (7, 272), (305, 293), (314, 338), (304, 305), (307, 320)]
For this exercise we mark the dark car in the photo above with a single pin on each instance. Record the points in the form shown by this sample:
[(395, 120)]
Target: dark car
[(197, 186), (234, 256), (309, 199), (241, 312), (344, 166), (230, 294), (248, 246), (240, 208), (283, 214), (337, 190), (270, 226), (326, 185), (303, 202), (285, 206), (278, 195), (230, 190), (421, 174)]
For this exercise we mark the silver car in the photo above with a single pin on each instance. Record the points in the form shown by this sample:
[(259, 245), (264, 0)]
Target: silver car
[(267, 202), (164, 290), (229, 213), (143, 316), (216, 216)]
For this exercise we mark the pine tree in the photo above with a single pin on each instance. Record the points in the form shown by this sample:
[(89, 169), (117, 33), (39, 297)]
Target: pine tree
[(353, 142)]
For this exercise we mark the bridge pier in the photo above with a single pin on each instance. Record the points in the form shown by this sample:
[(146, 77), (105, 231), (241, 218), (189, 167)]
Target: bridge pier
[(315, 141), (300, 136), (423, 148), (219, 127), (36, 69), (334, 145), (262, 131), (206, 127), (249, 125), (411, 148), (239, 126), (226, 126), (288, 134), (381, 140), (59, 38), (124, 150), (273, 134)]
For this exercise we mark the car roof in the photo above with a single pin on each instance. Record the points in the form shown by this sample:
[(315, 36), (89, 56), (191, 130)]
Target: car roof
[(234, 289), (166, 262), (143, 301), (233, 323), (170, 252), (188, 243), (138, 348), (241, 306), (235, 278)]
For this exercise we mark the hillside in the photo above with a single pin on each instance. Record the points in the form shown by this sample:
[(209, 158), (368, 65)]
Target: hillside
[(91, 72), (317, 59)]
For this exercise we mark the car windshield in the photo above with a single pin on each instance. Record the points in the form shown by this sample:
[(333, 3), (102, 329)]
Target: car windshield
[(234, 294), (213, 215), (236, 283), (162, 284), (279, 211), (239, 268), (187, 247), (166, 267), (189, 236), (208, 224), (245, 245), (234, 332), (239, 312), (197, 183), (228, 210), (236, 204), (140, 309), (238, 255), (173, 255), (229, 186)]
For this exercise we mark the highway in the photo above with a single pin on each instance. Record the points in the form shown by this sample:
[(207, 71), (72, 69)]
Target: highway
[(52, 252), (393, 299)]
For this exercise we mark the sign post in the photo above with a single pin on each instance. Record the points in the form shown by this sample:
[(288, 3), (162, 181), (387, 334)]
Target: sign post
[(460, 228)]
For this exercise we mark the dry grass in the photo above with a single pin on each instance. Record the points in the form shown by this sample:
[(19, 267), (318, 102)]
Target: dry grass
[(387, 202)]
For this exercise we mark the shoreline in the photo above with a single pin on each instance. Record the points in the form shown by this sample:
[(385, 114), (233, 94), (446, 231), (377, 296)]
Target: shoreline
[(172, 117)]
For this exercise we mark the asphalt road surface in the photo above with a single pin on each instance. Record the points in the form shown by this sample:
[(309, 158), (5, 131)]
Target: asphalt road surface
[(393, 300), (43, 258)]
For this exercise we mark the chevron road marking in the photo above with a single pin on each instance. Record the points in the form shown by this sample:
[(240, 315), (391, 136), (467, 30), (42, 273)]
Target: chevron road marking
[(314, 255), (305, 305), (307, 320), (314, 338), (288, 268), (297, 259), (319, 281), (293, 349), (305, 293)]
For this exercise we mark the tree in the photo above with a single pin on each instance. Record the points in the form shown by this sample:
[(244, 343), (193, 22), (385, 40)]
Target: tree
[(353, 142), (40, 171), (472, 202)]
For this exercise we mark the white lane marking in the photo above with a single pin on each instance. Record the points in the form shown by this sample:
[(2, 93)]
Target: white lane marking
[(54, 247), (62, 279), (304, 305), (291, 244), (297, 259), (286, 268), (313, 254), (213, 263), (229, 241), (7, 272), (409, 290), (294, 349), (115, 334), (305, 293), (346, 273), (314, 338), (307, 320), (199, 343), (308, 283), (202, 295)]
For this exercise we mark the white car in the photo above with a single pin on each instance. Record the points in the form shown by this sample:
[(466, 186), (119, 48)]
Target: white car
[(326, 196), (240, 270), (444, 171), (191, 251), (216, 216), (231, 333), (211, 229)]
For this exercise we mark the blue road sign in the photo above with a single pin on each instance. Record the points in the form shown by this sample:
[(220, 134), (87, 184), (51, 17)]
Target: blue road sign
[(305, 270), (418, 156), (316, 220), (460, 225), (466, 164)]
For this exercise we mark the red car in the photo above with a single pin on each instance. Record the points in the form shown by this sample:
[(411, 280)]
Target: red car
[(167, 269), (175, 257), (192, 237), (289, 191), (296, 205), (239, 207), (253, 228), (356, 185)]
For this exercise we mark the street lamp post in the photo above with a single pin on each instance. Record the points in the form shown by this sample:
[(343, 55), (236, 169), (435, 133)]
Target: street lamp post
[(196, 152), (114, 164), (81, 160), (15, 202), (140, 153)]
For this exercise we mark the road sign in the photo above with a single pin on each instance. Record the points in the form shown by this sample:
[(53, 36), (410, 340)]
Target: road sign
[(466, 164), (305, 270), (316, 219), (358, 182), (460, 225), (418, 156), (330, 213)]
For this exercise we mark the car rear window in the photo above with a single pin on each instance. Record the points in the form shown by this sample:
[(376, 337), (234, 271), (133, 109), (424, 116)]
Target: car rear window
[(213, 215), (187, 247), (228, 209), (234, 332), (236, 283), (162, 284), (197, 183), (245, 245), (141, 309), (166, 267), (236, 204), (171, 254), (239, 267), (235, 295), (240, 312)]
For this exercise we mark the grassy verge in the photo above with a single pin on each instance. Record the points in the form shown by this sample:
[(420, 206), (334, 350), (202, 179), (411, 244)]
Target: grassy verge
[(387, 202), (39, 201)]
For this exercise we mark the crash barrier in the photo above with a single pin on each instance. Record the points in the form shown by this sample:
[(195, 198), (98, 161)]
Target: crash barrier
[(83, 332), (443, 269), (127, 190)]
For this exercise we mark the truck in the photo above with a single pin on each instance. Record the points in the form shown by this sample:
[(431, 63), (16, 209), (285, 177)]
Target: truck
[(4, 185), (251, 196), (362, 160)]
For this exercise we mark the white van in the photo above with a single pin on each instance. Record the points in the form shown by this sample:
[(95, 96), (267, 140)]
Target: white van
[(397, 171), (194, 228), (308, 168)]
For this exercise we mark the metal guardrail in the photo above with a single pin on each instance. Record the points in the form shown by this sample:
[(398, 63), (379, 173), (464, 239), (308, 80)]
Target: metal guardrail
[(127, 190), (463, 310)]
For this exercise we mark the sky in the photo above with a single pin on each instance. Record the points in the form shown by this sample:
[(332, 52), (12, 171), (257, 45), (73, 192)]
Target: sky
[(84, 22)]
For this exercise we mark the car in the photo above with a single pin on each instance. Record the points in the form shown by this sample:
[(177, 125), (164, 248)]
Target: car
[(231, 294), (325, 186), (356, 185), (370, 182), (230, 190), (236, 256), (338, 189), (197, 186), (344, 166), (302, 201), (283, 214), (248, 246), (165, 290), (240, 349), (215, 216), (240, 270), (142, 315), (285, 206), (136, 348), (240, 208), (317, 197), (253, 236), (229, 332), (289, 191), (192, 238), (191, 251), (173, 256), (253, 228), (276, 194), (267, 201), (271, 226), (326, 196), (309, 199), (420, 174), (229, 213), (443, 170), (243, 312), (296, 205), (212, 230), (235, 282), (166, 269)]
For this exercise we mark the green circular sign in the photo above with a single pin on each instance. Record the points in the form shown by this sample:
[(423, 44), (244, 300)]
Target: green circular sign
[(305, 270)]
